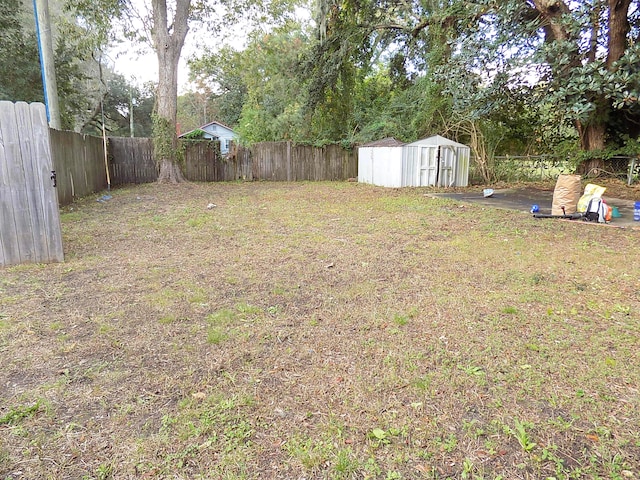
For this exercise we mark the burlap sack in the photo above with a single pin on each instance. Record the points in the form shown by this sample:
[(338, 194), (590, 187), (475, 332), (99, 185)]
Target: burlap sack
[(567, 193)]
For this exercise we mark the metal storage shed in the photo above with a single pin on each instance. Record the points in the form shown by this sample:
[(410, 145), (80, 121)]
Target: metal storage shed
[(433, 161)]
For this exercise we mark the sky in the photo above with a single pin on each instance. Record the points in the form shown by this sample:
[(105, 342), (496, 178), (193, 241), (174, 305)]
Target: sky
[(140, 65)]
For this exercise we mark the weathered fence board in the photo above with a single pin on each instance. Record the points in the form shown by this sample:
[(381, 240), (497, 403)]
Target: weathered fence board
[(284, 161), (79, 164), (29, 218), (131, 160)]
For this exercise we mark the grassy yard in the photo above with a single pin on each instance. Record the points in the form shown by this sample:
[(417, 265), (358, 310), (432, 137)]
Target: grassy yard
[(320, 331)]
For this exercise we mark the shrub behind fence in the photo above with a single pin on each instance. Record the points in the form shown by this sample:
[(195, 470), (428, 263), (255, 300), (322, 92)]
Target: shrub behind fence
[(533, 168)]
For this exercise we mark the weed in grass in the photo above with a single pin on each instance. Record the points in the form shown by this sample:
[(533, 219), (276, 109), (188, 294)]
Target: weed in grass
[(422, 383), (104, 471), (472, 370), (55, 326), (467, 469), (167, 319), (520, 433), (379, 437), (473, 429), (393, 475), (310, 454), (400, 320), (550, 455), (104, 328), (216, 336), (16, 414), (448, 444), (247, 310), (371, 469), (345, 464), (510, 310), (5, 459)]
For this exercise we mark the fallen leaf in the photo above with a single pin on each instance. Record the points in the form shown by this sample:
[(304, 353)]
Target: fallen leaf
[(593, 438)]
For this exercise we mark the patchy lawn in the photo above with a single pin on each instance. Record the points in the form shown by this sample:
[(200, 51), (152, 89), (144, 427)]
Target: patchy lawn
[(320, 330)]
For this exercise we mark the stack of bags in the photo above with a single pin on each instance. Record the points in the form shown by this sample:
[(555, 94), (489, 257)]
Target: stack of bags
[(567, 199)]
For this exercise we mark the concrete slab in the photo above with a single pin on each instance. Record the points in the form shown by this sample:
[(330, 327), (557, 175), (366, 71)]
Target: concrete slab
[(523, 198)]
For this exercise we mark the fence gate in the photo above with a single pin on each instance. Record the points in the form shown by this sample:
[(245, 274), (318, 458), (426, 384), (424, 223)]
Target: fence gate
[(29, 217)]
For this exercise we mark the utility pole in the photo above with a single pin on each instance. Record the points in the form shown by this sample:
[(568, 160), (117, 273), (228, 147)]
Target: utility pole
[(131, 111), (47, 65)]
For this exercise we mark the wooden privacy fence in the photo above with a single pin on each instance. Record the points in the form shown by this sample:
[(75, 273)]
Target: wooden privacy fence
[(29, 217), (131, 160), (285, 161), (203, 163), (79, 164)]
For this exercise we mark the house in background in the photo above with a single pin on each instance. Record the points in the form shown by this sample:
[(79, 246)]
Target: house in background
[(214, 131)]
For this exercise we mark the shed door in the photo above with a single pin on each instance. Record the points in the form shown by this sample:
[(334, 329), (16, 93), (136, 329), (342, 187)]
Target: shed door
[(447, 166), (29, 217), (428, 167)]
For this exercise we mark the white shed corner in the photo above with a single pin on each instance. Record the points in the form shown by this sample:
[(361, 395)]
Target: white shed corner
[(379, 163), (431, 162)]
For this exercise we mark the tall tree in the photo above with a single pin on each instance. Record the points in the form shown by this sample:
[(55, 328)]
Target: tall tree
[(168, 39), (592, 56), (486, 54)]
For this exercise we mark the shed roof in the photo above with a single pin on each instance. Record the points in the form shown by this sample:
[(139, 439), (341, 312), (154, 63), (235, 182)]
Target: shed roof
[(437, 140), (385, 142)]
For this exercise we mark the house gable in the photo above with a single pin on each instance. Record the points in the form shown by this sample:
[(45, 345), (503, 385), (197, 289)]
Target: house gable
[(216, 131)]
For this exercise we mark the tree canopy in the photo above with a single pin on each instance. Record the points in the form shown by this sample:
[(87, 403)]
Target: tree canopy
[(508, 76)]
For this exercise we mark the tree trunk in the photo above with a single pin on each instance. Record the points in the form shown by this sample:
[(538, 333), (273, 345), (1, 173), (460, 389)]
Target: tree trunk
[(618, 30), (168, 41), (592, 139)]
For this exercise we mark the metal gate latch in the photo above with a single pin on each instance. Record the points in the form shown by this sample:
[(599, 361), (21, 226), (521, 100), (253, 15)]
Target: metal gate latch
[(53, 177)]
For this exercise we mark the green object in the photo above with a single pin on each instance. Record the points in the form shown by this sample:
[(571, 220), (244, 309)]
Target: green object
[(615, 213)]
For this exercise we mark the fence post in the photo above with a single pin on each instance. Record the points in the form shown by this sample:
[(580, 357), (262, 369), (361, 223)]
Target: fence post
[(288, 160)]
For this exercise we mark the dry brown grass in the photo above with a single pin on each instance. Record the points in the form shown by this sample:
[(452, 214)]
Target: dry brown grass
[(320, 330)]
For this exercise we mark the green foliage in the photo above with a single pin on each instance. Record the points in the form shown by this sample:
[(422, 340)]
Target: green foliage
[(164, 145), (222, 90), (16, 414), (195, 134), (18, 47)]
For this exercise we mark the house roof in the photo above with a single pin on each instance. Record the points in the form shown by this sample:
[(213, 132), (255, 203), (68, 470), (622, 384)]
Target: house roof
[(203, 128), (436, 140), (216, 123)]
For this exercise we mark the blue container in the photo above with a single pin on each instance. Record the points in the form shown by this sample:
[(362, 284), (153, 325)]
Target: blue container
[(636, 211)]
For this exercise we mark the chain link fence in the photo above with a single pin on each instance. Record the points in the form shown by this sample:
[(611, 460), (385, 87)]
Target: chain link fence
[(534, 168)]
